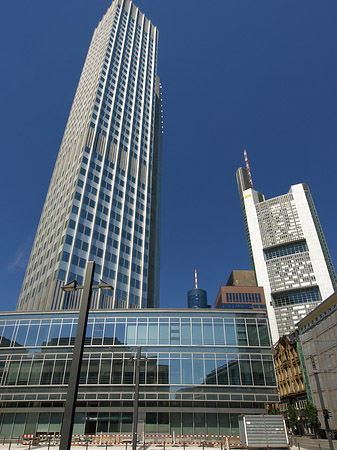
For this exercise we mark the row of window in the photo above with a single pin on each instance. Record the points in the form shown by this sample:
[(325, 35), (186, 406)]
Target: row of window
[(136, 332), (168, 369)]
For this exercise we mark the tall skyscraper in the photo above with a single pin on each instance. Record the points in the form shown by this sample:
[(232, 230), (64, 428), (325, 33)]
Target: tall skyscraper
[(103, 202), (288, 252)]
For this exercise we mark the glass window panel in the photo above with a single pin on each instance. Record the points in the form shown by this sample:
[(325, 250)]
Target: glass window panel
[(2, 370), (54, 334), (104, 376), (258, 373), (233, 368), (103, 422), (153, 333), (7, 424), (164, 333), (58, 371), (131, 334), (151, 377), (269, 372), (187, 423), (175, 371), (47, 372), (246, 375), (208, 333), (21, 336), (128, 371), (116, 372), (6, 340), (242, 336), (175, 423), (198, 371), (126, 423), (212, 423), (65, 334), (200, 423), (12, 372), (42, 426), (93, 371), (55, 423), (196, 334), (186, 366), (222, 370), (163, 422), (115, 420), (84, 371), (120, 333), (210, 371), (185, 334), (252, 334), (219, 335), (98, 332), (35, 373), (224, 424), (24, 372), (141, 333), (19, 424), (88, 334), (163, 371), (151, 422), (264, 334), (32, 335), (230, 334), (109, 332), (43, 335), (67, 372), (73, 333), (234, 424)]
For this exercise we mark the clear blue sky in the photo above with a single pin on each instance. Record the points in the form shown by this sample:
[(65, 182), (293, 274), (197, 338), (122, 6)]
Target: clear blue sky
[(236, 74)]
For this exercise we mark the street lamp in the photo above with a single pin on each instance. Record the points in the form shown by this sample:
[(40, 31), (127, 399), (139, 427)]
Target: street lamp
[(70, 405)]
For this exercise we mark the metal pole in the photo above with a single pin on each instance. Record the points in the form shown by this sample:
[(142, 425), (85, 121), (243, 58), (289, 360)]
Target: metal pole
[(135, 402), (69, 409), (326, 420)]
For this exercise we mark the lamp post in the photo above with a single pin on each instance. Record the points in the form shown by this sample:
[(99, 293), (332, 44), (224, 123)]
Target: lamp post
[(70, 405)]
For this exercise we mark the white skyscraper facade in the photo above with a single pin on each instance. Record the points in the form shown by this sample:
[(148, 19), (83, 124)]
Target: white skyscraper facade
[(103, 202), (288, 252)]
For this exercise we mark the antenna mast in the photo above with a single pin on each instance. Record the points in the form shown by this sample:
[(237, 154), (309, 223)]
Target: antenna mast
[(196, 278), (248, 169)]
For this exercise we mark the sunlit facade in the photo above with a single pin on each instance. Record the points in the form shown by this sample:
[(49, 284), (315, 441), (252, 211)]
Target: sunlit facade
[(200, 369), (288, 252), (103, 202)]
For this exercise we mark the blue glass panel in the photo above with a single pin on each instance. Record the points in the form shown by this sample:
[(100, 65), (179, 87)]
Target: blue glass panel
[(142, 334), (43, 335), (196, 333), (219, 334), (230, 334), (185, 334), (21, 336), (175, 371), (164, 333), (186, 366), (210, 370), (153, 333), (32, 335), (222, 370), (208, 333), (130, 334), (120, 333), (198, 370), (246, 375), (163, 371), (6, 340), (109, 332), (233, 368)]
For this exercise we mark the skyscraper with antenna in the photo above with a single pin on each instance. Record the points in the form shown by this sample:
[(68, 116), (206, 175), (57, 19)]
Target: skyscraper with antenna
[(287, 251)]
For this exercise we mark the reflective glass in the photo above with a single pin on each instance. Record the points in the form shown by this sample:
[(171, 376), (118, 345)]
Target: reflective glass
[(54, 334), (219, 335), (35, 373), (175, 371), (252, 334), (185, 334), (222, 369), (258, 373), (6, 340), (47, 372), (58, 372), (120, 333), (246, 375), (186, 371), (104, 376), (153, 333), (264, 335), (12, 373), (163, 371), (196, 333), (210, 370), (43, 335), (21, 336), (109, 332), (230, 334), (141, 333), (164, 333), (24, 372), (93, 371), (116, 373), (269, 372), (233, 367), (151, 377), (208, 333), (65, 334), (198, 370)]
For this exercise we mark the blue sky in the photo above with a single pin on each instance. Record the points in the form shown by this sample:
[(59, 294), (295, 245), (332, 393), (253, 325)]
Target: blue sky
[(236, 74)]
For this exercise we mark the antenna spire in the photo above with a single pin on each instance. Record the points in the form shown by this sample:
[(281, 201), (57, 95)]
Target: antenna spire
[(196, 278), (248, 169)]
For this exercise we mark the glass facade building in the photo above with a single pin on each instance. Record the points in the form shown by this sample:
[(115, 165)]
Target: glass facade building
[(199, 370), (288, 252), (103, 202)]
